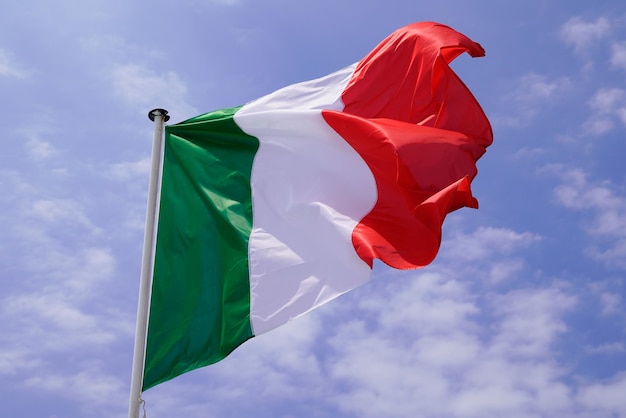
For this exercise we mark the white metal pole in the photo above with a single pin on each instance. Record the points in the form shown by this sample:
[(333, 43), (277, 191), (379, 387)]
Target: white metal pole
[(159, 117)]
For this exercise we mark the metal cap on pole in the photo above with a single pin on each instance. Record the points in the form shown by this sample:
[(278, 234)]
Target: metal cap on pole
[(156, 112), (159, 117)]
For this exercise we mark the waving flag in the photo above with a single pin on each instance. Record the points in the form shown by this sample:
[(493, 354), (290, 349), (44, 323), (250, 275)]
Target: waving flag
[(273, 208)]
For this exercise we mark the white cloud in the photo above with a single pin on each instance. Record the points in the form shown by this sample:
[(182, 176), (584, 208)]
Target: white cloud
[(608, 208), (608, 106), (576, 192), (56, 253), (54, 314), (581, 34), (129, 169), (39, 149), (606, 349), (535, 87), (78, 272), (606, 398), (142, 88), (609, 296), (618, 55), (532, 93), (226, 3), (13, 185), (93, 387), (598, 125), (114, 47), (68, 211), (14, 360), (503, 270), (621, 114), (55, 322), (486, 241), (424, 352), (526, 152), (383, 378), (605, 101), (531, 320), (611, 303), (8, 67), (36, 146), (431, 302), (614, 255)]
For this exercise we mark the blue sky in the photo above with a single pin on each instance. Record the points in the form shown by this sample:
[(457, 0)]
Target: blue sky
[(521, 315)]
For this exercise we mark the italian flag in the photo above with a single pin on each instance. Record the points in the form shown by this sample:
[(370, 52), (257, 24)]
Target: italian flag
[(271, 209)]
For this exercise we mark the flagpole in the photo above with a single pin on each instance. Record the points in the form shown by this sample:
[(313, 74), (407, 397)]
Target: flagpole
[(159, 117)]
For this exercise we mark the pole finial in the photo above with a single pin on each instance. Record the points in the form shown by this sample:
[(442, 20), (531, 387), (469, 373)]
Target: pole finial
[(156, 112)]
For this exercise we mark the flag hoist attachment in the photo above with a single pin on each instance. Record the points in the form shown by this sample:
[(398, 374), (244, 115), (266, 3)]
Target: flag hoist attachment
[(159, 117)]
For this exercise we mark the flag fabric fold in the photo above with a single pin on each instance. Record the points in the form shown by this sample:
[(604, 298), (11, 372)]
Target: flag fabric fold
[(273, 208)]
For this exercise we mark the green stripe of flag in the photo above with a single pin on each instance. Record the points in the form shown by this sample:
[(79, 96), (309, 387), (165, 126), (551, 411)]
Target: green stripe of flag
[(200, 287)]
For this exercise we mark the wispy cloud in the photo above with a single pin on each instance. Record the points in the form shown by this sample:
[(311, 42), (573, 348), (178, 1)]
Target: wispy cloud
[(531, 320), (9, 67), (605, 398), (129, 169), (486, 241), (93, 386), (607, 207), (37, 134), (581, 34), (442, 352), (530, 94), (608, 106), (225, 2), (144, 89), (57, 211), (604, 349), (618, 55), (14, 360), (57, 309)]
